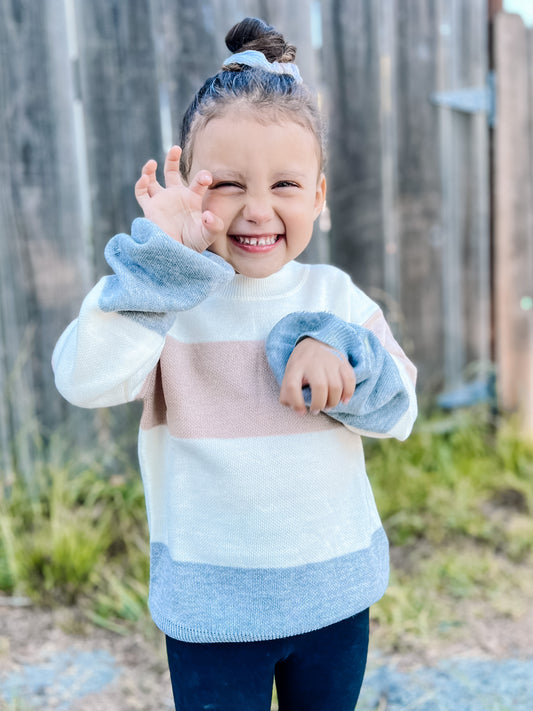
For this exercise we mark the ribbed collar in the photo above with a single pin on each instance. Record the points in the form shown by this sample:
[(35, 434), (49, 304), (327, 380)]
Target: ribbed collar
[(289, 279)]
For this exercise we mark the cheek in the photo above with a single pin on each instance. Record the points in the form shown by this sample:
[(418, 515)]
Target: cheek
[(301, 213)]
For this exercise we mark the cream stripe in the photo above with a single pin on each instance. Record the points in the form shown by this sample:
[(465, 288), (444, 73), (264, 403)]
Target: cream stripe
[(296, 504), (248, 318)]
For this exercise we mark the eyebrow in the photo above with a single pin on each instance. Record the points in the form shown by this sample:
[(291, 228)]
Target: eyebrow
[(290, 174), (226, 174), (297, 176)]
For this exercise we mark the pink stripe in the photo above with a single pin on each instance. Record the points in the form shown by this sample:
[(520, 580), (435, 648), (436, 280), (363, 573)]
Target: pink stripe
[(223, 389), (377, 324)]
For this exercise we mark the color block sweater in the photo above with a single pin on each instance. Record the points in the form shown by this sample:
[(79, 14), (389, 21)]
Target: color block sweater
[(262, 521)]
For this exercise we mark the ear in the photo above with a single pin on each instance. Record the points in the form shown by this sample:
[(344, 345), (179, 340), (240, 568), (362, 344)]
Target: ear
[(320, 196)]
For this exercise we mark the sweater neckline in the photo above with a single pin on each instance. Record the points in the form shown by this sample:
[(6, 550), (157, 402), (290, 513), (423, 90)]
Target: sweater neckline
[(280, 284)]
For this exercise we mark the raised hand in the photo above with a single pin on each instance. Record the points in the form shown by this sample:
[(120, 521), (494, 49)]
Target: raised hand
[(326, 371), (177, 208)]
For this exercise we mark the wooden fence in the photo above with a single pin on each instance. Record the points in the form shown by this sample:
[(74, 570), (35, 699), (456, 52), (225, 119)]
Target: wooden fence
[(409, 179), (513, 212), (90, 90)]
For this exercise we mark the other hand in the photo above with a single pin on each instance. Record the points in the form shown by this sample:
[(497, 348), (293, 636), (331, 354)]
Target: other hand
[(326, 371)]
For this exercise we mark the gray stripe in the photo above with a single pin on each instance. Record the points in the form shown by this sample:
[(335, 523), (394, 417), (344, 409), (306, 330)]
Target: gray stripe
[(205, 603)]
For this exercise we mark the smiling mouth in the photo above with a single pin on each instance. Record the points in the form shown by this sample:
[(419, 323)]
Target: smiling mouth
[(258, 241)]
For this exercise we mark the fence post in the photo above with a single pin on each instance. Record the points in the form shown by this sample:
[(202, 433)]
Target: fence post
[(513, 224)]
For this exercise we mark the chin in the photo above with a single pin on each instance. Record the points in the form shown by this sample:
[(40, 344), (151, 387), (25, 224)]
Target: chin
[(258, 272)]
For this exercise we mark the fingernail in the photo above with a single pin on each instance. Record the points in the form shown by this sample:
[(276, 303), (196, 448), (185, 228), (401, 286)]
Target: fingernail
[(314, 412)]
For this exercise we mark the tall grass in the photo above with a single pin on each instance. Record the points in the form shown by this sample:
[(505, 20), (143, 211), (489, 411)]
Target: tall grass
[(73, 534)]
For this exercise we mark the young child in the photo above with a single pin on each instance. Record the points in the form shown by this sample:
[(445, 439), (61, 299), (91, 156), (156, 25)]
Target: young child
[(258, 376)]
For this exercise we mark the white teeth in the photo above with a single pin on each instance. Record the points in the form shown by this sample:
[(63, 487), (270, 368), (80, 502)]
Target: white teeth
[(257, 241)]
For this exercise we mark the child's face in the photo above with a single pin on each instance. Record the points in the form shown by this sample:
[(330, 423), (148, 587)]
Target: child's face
[(267, 189)]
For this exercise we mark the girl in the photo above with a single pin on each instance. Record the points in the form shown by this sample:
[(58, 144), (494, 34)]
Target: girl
[(258, 375)]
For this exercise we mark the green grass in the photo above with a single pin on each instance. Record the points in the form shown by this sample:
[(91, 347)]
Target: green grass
[(77, 535), (454, 480), (456, 500)]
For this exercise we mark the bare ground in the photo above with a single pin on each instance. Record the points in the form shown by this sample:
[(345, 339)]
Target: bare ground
[(33, 636), (30, 636)]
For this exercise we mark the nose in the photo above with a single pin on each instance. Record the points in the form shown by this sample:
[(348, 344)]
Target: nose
[(257, 209)]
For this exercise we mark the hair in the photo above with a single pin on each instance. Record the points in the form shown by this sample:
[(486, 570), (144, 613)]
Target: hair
[(270, 96)]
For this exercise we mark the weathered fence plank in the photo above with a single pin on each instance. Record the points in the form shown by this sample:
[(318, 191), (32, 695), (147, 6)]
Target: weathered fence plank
[(419, 189), (476, 261), (352, 68), (120, 95), (463, 160), (190, 49), (42, 267), (513, 245)]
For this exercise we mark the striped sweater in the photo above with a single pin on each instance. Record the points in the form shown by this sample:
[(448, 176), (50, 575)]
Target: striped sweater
[(262, 521)]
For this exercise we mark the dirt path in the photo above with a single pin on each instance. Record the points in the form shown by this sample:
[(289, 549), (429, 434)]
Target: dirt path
[(55, 660)]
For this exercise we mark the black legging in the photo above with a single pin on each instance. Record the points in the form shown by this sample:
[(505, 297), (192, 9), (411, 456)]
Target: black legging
[(317, 671)]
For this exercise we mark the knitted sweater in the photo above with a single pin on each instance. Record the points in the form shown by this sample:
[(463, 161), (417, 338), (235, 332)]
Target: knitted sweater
[(262, 521)]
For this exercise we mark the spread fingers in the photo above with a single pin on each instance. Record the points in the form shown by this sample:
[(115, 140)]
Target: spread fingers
[(172, 166)]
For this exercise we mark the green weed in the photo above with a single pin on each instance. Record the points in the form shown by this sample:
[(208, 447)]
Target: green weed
[(454, 479), (456, 500), (75, 535)]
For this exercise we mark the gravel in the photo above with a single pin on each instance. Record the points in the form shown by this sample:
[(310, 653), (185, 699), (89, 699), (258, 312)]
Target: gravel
[(54, 660), (451, 685)]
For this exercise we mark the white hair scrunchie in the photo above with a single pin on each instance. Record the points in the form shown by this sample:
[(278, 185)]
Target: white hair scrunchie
[(257, 60)]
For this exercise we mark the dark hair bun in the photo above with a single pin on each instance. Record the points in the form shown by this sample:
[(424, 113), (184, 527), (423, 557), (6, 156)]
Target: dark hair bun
[(253, 33)]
